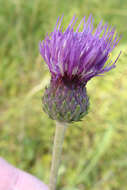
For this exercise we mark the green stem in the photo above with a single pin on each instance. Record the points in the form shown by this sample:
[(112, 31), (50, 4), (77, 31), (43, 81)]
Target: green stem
[(56, 157)]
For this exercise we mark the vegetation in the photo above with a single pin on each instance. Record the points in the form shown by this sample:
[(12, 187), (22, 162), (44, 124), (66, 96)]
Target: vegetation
[(95, 150)]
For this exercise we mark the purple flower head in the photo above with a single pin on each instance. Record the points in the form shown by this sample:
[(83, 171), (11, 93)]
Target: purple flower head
[(77, 56), (73, 58)]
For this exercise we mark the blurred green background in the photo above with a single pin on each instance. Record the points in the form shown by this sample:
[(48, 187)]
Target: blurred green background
[(95, 150)]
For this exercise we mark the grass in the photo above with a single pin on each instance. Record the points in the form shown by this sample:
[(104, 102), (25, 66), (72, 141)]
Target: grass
[(95, 153)]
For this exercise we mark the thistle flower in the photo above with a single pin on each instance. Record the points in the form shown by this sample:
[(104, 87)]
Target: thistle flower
[(73, 58)]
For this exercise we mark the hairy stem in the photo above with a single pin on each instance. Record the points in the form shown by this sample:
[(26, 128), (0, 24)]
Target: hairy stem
[(56, 157)]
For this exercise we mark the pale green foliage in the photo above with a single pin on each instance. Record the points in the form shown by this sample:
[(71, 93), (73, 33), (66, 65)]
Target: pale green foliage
[(95, 150)]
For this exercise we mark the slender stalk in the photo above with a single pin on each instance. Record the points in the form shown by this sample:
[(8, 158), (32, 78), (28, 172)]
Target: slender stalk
[(57, 150)]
